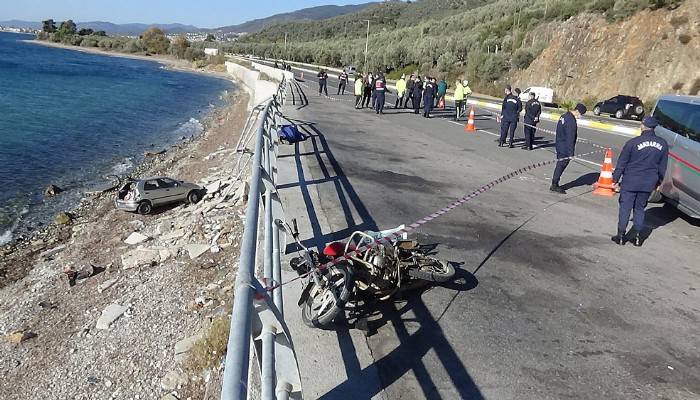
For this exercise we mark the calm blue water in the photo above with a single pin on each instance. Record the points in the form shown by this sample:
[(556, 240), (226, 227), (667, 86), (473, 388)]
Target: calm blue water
[(70, 118)]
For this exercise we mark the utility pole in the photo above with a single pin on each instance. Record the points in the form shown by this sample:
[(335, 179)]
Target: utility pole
[(286, 54), (367, 44), (546, 3)]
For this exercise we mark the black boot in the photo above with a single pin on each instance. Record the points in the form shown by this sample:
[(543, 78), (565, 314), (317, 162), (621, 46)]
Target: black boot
[(619, 238), (637, 240), (557, 189)]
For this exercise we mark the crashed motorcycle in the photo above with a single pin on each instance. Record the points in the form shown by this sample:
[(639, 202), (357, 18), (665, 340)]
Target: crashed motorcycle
[(378, 272)]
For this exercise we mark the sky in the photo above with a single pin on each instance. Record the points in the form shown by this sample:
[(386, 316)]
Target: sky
[(201, 13)]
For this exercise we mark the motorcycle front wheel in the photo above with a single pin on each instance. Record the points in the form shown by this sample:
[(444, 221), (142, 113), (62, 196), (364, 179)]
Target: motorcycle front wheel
[(325, 303), (431, 269)]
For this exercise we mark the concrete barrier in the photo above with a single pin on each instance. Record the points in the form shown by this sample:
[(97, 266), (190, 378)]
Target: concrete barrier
[(260, 90)]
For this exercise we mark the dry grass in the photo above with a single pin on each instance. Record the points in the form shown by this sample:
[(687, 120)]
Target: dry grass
[(207, 351)]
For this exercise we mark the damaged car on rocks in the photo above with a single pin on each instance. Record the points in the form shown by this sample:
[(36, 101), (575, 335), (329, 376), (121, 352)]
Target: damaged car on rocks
[(143, 195)]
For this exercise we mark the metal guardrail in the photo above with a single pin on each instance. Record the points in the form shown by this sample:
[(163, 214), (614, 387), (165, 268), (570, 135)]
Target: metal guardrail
[(258, 315)]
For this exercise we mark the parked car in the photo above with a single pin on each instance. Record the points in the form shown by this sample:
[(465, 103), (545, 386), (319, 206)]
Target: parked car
[(145, 194), (679, 125), (544, 95), (351, 70), (620, 107)]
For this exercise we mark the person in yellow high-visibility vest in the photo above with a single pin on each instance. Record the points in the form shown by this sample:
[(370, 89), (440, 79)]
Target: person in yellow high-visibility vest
[(459, 99), (400, 90)]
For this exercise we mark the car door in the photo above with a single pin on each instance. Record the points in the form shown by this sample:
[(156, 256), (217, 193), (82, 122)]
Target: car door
[(171, 191), (152, 192), (609, 106), (682, 118)]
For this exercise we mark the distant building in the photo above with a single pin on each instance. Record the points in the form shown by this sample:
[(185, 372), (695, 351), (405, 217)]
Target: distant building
[(211, 52)]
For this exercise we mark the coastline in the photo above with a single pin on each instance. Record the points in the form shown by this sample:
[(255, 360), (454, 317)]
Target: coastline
[(168, 62)]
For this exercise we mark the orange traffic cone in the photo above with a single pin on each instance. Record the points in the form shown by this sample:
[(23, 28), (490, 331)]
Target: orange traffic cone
[(605, 186), (441, 103), (470, 127)]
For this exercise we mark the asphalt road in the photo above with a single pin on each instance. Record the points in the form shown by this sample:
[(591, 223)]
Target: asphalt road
[(544, 305)]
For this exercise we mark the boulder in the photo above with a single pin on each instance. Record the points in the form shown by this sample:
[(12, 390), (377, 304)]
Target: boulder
[(136, 238), (63, 218), (176, 234), (106, 285), (20, 336), (196, 250), (186, 344), (173, 380), (140, 257), (109, 315), (52, 190), (137, 225)]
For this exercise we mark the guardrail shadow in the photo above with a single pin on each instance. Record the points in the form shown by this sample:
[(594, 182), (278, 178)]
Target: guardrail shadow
[(413, 345), (300, 96)]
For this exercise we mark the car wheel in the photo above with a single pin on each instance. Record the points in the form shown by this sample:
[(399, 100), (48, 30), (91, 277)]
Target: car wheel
[(144, 208), (656, 197), (193, 197), (639, 110), (596, 110), (619, 114)]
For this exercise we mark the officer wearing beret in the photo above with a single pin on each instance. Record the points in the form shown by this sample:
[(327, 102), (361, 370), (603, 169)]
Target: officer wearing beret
[(567, 133), (510, 113), (641, 167)]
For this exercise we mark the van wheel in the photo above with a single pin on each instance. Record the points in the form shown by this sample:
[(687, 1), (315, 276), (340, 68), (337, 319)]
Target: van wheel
[(656, 197), (193, 197), (144, 208), (619, 114), (596, 110)]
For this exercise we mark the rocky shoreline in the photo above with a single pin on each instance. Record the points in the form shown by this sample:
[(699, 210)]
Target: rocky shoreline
[(109, 304)]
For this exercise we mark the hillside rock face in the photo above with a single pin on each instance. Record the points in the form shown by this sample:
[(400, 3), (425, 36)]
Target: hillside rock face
[(651, 53)]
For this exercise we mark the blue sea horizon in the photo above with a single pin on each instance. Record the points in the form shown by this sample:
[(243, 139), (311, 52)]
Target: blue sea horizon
[(71, 118)]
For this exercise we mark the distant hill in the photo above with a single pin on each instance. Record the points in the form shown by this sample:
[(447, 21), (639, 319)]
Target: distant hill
[(110, 28), (305, 14)]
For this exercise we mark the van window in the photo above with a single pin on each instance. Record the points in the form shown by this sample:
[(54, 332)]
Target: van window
[(681, 118)]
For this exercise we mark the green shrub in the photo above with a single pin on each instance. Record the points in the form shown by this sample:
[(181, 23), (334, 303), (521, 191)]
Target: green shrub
[(523, 58)]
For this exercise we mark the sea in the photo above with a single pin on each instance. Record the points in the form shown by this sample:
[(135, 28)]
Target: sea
[(73, 119)]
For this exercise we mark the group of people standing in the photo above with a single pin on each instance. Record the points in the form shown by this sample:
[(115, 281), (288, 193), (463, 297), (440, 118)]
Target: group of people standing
[(423, 93), (511, 108)]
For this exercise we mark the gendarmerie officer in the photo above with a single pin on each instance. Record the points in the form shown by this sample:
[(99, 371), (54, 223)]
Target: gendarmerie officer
[(642, 167), (510, 112), (343, 78), (567, 133), (533, 109), (380, 93)]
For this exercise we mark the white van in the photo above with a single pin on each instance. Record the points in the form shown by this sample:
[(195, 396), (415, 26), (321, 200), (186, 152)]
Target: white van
[(543, 94)]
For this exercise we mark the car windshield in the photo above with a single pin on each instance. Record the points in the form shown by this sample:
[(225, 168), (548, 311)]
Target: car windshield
[(681, 118)]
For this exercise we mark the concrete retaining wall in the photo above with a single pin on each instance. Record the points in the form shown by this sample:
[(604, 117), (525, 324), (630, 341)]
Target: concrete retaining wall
[(260, 90)]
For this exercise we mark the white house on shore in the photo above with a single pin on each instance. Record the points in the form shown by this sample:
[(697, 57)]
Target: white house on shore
[(211, 52)]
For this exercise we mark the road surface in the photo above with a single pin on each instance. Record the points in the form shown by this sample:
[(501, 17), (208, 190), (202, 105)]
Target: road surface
[(544, 307)]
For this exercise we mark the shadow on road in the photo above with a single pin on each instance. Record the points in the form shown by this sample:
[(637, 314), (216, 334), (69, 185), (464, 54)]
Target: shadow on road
[(662, 215), (583, 180), (413, 345)]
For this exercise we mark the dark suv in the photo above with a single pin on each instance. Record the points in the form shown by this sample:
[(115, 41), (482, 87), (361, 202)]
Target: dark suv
[(620, 107)]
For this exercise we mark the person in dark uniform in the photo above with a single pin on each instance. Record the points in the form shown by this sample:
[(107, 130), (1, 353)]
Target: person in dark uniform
[(409, 91), (367, 90), (533, 109), (567, 133), (380, 93), (374, 92), (417, 95), (510, 112), (642, 167), (428, 97), (322, 82), (343, 78)]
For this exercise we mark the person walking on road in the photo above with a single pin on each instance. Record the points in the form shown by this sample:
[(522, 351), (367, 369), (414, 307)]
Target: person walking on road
[(510, 112), (343, 78), (380, 93), (359, 89), (417, 95), (400, 91), (441, 92), (429, 97), (409, 91), (641, 167), (322, 82), (367, 90), (533, 109), (459, 99), (567, 133)]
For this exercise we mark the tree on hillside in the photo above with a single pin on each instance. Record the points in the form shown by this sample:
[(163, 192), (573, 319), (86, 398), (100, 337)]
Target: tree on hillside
[(210, 38), (155, 41), (179, 46), (67, 28), (49, 26), (85, 32), (100, 33)]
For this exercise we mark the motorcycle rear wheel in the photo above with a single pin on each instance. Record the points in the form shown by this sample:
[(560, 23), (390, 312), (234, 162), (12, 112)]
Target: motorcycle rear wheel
[(431, 269), (325, 304)]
